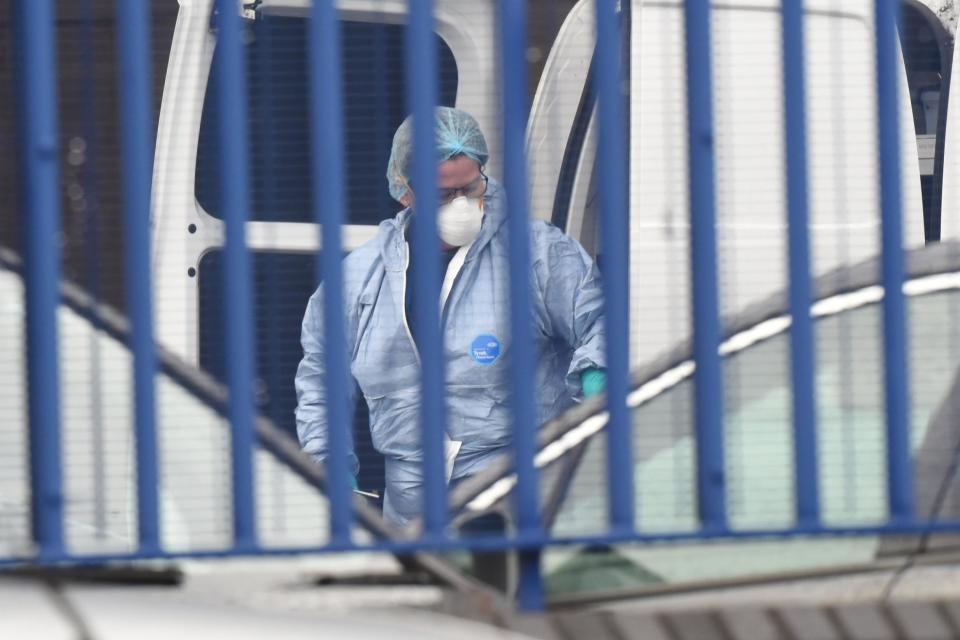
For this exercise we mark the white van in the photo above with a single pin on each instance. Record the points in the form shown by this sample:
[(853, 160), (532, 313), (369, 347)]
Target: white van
[(753, 286), (751, 202), (750, 155), (751, 207)]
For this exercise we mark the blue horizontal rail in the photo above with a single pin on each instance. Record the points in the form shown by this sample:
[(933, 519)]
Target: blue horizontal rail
[(498, 543)]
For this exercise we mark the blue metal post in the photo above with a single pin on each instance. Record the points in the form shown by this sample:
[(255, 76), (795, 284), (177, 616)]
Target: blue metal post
[(615, 236), (238, 302), (513, 33), (711, 482), (802, 345), (40, 203), (421, 66), (136, 124), (91, 242), (900, 473), (262, 97), (326, 114)]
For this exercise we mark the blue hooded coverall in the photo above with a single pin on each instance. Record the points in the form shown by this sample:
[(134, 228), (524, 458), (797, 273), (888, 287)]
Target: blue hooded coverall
[(568, 329)]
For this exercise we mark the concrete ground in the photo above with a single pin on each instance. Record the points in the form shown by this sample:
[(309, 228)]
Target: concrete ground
[(366, 596), (240, 599)]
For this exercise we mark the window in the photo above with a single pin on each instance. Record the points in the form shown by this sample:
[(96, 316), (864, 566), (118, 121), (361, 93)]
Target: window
[(923, 39), (926, 56), (278, 109), (759, 456)]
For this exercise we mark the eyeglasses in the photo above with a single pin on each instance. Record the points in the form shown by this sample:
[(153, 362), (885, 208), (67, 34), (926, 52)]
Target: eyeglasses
[(473, 189)]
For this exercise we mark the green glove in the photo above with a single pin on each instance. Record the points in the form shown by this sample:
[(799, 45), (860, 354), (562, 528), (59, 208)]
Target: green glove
[(593, 382)]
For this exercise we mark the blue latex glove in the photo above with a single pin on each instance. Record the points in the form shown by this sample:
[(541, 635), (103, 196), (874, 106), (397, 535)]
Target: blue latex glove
[(353, 481), (593, 382)]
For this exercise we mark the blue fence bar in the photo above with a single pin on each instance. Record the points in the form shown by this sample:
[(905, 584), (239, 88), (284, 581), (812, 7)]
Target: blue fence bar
[(234, 165), (92, 270), (899, 467), (513, 32), (711, 484), (802, 345), (615, 236), (136, 120), (40, 199), (326, 116), (421, 65), (499, 543)]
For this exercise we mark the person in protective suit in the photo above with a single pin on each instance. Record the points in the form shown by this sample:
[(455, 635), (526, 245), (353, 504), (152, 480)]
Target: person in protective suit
[(384, 360)]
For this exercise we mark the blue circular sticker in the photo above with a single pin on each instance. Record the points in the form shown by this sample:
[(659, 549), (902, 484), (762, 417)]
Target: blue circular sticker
[(485, 349)]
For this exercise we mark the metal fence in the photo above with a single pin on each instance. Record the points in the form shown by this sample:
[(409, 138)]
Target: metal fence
[(37, 122)]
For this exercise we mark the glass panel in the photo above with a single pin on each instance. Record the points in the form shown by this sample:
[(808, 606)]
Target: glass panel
[(920, 32), (279, 134), (851, 439), (278, 314)]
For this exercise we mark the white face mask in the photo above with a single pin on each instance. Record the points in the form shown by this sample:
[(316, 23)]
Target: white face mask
[(458, 221)]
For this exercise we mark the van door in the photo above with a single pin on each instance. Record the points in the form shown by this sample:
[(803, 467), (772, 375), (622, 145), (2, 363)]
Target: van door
[(281, 234), (750, 165)]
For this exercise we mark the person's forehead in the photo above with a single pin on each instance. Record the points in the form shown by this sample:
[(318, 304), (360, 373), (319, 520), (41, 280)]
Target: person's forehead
[(457, 172)]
